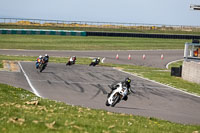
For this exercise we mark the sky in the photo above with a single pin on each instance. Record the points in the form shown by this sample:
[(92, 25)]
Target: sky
[(165, 12)]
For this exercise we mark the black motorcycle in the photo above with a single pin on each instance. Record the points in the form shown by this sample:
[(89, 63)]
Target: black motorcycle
[(95, 62)]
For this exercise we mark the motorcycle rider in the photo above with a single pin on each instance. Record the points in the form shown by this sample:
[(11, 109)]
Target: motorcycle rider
[(125, 83), (46, 59), (98, 60), (38, 60), (71, 60), (95, 61)]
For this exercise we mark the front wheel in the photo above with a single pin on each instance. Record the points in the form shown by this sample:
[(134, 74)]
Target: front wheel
[(68, 63), (91, 64), (107, 104), (116, 100), (94, 64), (42, 67)]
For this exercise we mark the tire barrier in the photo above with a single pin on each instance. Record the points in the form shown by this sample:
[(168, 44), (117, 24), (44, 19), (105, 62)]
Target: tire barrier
[(42, 32), (143, 35)]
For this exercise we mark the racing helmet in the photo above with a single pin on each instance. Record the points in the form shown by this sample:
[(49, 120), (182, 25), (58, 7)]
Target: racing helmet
[(127, 80), (40, 56), (46, 55), (74, 57)]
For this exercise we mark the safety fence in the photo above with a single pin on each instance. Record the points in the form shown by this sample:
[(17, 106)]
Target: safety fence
[(143, 35), (42, 32)]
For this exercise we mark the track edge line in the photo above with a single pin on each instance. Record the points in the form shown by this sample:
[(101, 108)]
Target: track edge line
[(28, 80)]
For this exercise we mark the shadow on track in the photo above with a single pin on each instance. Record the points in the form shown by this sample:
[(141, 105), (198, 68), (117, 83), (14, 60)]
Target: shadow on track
[(129, 108)]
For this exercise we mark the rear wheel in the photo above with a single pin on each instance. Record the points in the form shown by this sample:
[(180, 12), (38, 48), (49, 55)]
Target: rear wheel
[(40, 67)]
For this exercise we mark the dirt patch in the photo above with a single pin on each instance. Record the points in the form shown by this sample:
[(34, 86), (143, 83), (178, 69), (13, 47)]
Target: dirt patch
[(11, 66)]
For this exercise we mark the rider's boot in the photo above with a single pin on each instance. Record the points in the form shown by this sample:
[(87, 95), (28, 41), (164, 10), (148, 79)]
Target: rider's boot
[(125, 98)]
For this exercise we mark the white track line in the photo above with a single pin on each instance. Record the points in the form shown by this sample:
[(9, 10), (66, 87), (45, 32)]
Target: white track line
[(159, 83), (29, 82), (167, 66)]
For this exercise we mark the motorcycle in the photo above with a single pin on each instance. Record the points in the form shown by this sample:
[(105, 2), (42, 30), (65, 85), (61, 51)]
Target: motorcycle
[(117, 95), (94, 62), (71, 61), (42, 65)]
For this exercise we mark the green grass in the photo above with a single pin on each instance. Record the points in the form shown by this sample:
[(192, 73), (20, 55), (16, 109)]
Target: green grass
[(53, 42), (175, 64), (18, 114), (1, 65)]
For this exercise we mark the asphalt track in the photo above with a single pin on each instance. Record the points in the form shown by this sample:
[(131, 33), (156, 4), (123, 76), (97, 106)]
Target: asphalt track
[(87, 86), (153, 57)]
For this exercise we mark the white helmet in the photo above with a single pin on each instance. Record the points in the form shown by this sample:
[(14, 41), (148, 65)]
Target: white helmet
[(46, 54), (40, 56)]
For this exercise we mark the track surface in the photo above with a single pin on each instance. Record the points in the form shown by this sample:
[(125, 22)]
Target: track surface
[(153, 57), (87, 86)]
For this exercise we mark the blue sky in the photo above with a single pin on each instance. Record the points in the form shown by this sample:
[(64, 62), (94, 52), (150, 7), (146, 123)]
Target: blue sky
[(169, 12)]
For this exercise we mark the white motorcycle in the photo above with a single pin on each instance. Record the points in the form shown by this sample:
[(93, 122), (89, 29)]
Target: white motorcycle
[(117, 95)]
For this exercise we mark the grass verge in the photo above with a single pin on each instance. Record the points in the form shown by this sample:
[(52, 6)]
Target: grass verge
[(21, 111), (53, 42), (175, 64)]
